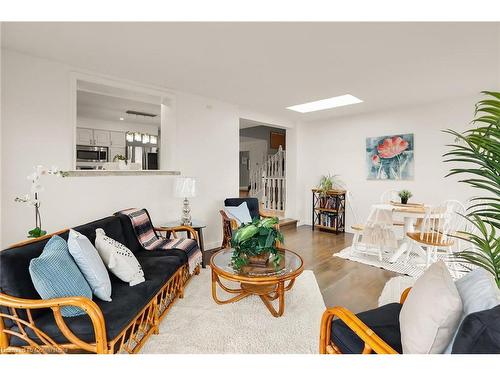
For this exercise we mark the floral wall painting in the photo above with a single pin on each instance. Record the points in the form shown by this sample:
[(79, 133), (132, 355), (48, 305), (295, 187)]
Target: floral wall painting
[(390, 157)]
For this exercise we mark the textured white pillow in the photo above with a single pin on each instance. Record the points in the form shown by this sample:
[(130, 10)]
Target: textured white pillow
[(90, 263), (119, 259), (239, 213), (431, 312)]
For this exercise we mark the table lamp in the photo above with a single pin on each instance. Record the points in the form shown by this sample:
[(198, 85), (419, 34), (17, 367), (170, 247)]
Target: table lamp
[(185, 187)]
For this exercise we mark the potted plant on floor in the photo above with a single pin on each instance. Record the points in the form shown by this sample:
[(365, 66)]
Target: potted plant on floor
[(256, 244), (405, 195), (479, 149)]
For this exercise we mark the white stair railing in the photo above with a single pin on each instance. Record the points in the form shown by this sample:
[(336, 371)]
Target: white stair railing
[(268, 181)]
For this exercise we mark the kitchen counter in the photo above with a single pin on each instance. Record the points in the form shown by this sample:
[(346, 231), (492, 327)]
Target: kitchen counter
[(103, 172)]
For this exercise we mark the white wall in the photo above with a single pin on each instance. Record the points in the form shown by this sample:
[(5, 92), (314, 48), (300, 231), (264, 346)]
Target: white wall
[(337, 146), (36, 129), (257, 151)]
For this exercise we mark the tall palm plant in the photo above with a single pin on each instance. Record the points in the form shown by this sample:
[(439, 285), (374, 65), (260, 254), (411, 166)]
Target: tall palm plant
[(479, 151)]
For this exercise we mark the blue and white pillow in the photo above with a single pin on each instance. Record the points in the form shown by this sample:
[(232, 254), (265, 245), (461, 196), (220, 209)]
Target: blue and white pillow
[(55, 274), (239, 213), (90, 263)]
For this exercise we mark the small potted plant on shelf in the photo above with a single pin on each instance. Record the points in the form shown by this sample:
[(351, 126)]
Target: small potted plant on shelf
[(405, 195), (122, 161), (326, 183), (255, 244)]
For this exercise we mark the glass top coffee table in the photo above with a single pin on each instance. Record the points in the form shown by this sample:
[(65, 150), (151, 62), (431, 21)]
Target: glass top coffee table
[(267, 283)]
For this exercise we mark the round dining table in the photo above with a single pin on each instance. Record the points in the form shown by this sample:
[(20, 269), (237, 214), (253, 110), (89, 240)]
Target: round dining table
[(409, 213)]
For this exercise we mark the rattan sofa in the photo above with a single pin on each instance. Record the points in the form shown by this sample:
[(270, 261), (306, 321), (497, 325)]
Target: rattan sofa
[(31, 324)]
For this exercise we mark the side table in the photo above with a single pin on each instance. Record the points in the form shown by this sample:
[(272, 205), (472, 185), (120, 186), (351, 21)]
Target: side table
[(197, 226)]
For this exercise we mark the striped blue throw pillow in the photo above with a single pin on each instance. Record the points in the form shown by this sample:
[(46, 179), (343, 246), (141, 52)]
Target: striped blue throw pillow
[(55, 274)]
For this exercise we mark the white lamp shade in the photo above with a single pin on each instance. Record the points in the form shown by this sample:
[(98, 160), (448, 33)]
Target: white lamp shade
[(185, 187)]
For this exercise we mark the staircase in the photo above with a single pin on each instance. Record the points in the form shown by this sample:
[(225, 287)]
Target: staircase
[(268, 182)]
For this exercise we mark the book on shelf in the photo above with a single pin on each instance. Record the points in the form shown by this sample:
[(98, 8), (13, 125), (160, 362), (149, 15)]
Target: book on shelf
[(328, 220), (330, 203)]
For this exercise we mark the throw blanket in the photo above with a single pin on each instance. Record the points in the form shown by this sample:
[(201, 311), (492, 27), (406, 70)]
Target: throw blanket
[(147, 237), (378, 229)]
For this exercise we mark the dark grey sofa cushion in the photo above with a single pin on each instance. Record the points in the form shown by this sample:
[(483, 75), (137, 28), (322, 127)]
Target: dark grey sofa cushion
[(384, 321), (127, 301)]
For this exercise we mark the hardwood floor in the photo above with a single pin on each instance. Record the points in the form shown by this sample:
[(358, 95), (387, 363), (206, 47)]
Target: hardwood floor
[(342, 282)]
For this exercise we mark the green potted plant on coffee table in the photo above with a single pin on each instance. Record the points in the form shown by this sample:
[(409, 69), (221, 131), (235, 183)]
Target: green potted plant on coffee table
[(256, 244)]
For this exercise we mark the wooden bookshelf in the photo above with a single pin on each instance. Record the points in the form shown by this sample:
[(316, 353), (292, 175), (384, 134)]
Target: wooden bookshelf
[(328, 210)]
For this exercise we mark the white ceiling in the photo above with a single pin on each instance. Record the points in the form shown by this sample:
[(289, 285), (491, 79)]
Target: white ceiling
[(269, 66), (106, 107)]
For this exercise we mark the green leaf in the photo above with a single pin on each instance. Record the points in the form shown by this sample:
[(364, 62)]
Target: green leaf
[(478, 149)]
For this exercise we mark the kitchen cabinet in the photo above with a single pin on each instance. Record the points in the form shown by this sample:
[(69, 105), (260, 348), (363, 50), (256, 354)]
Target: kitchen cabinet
[(93, 137), (84, 137), (102, 137), (117, 139)]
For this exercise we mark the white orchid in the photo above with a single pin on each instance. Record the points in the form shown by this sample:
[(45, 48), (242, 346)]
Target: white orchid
[(33, 198)]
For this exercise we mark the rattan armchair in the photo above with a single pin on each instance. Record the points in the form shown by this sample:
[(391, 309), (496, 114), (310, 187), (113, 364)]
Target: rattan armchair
[(228, 224), (372, 342)]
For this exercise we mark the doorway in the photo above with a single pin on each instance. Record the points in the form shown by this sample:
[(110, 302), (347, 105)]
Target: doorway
[(262, 164)]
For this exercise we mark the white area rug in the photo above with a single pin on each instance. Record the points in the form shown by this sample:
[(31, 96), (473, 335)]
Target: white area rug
[(413, 268), (196, 324)]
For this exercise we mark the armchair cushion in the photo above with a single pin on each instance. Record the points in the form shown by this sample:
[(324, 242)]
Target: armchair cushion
[(479, 333), (252, 204), (384, 321)]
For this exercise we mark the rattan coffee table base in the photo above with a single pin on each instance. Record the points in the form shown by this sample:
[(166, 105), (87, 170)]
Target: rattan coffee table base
[(267, 291)]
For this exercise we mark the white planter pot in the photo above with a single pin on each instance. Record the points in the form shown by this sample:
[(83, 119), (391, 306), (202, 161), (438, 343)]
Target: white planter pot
[(122, 165)]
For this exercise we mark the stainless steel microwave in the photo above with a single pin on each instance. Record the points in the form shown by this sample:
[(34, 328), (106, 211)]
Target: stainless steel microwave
[(91, 153)]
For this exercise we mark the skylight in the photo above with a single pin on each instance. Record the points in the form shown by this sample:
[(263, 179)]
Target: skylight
[(319, 105)]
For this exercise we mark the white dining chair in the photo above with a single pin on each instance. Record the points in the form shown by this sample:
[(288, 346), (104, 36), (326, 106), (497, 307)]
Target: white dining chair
[(357, 227), (389, 196), (437, 231), (376, 236)]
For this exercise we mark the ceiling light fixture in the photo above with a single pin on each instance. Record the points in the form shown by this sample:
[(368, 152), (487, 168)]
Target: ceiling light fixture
[(121, 119), (319, 105)]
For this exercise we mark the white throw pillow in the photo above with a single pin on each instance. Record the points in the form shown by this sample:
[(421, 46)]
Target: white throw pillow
[(431, 313), (239, 213), (90, 263), (119, 259)]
